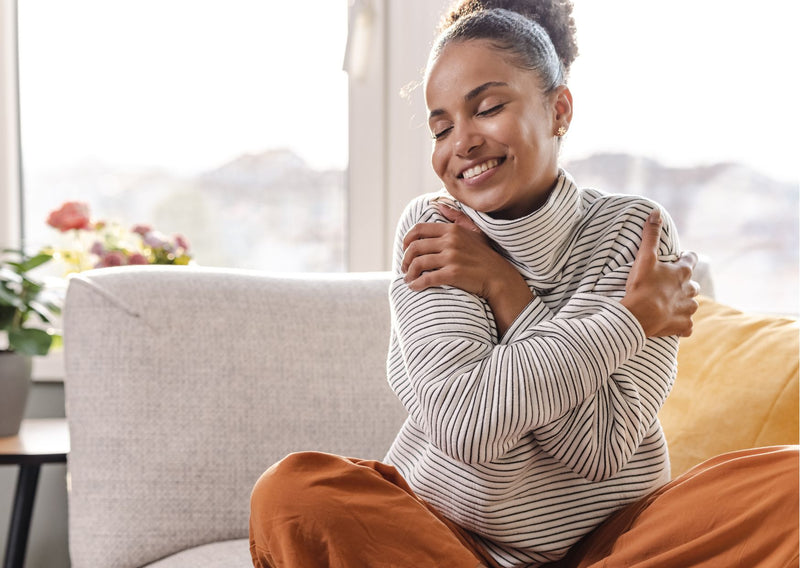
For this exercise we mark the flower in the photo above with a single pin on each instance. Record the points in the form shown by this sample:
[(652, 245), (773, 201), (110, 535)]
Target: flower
[(101, 244), (71, 215), (111, 258), (138, 258), (142, 229)]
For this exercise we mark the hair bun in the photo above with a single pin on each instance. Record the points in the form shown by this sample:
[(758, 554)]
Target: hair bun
[(555, 16)]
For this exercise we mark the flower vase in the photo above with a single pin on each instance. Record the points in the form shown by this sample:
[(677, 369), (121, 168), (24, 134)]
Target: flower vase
[(15, 383)]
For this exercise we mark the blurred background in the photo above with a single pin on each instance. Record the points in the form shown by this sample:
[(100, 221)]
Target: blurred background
[(274, 140)]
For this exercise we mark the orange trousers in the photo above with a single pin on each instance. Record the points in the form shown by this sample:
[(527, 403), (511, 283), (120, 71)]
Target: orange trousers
[(736, 510)]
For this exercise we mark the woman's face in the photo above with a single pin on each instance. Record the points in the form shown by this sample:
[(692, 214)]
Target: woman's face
[(495, 145)]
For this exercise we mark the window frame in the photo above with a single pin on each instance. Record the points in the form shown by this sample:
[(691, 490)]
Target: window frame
[(10, 157), (389, 142)]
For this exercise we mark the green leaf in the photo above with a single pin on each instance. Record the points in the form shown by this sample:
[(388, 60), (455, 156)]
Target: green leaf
[(8, 298), (32, 287), (6, 316), (38, 260), (8, 275), (41, 310), (30, 341)]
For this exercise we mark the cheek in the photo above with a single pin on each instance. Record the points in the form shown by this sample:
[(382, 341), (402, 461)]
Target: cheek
[(439, 160)]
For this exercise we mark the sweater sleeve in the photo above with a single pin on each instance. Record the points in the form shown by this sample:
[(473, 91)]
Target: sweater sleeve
[(599, 436), (476, 398)]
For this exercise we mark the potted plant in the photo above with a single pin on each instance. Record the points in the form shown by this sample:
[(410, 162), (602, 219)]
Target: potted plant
[(24, 310)]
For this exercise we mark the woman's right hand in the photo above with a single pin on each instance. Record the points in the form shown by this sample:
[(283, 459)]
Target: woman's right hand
[(459, 254), (661, 294)]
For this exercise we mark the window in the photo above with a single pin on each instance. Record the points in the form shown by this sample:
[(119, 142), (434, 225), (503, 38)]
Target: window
[(689, 103), (669, 92), (224, 121)]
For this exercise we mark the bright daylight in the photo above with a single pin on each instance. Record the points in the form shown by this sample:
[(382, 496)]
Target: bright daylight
[(259, 306)]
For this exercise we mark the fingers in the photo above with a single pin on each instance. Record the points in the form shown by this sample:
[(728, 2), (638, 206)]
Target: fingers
[(422, 266), (686, 327), (455, 216), (689, 257), (651, 236), (424, 231), (419, 248)]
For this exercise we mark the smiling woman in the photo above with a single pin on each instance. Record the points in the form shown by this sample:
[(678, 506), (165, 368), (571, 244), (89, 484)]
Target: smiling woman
[(534, 336), (669, 102), (523, 151)]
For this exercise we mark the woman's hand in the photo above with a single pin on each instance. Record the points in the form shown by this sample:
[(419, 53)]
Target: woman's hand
[(661, 294), (458, 254)]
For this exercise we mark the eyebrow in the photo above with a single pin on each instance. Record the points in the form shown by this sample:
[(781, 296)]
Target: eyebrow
[(471, 95)]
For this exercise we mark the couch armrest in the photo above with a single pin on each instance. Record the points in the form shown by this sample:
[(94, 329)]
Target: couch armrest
[(184, 384)]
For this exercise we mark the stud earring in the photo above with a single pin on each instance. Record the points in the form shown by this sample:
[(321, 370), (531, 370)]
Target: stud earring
[(561, 131)]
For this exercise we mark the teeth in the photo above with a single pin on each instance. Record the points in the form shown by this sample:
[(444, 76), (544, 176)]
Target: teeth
[(480, 168)]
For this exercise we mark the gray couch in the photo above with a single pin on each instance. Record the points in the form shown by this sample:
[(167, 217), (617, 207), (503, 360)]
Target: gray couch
[(184, 384)]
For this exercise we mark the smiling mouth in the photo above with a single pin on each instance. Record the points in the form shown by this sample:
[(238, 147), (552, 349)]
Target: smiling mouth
[(480, 168)]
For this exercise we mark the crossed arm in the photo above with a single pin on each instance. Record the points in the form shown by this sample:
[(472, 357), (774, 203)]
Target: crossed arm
[(584, 378), (660, 295)]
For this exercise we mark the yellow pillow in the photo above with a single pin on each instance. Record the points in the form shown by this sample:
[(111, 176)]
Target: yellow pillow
[(737, 385)]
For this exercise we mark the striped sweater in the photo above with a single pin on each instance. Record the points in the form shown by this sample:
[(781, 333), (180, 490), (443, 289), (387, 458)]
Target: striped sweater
[(531, 440)]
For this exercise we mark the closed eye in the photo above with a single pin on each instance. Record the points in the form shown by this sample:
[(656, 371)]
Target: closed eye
[(442, 133), (492, 111)]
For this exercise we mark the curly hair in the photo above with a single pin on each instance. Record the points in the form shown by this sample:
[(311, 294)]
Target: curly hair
[(516, 26)]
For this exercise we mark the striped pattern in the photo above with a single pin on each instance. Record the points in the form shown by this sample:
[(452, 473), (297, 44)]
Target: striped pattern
[(531, 440)]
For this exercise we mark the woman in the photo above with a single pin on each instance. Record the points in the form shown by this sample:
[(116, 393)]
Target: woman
[(534, 338)]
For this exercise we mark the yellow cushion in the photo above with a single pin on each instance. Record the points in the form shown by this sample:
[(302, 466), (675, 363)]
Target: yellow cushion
[(737, 385)]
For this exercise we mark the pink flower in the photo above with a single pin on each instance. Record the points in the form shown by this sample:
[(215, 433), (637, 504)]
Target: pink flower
[(98, 249), (154, 239), (181, 241), (142, 229), (112, 258), (71, 215), (138, 258)]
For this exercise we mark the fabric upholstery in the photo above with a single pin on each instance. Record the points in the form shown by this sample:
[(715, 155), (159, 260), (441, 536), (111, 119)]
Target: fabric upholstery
[(737, 385), (226, 554), (184, 384)]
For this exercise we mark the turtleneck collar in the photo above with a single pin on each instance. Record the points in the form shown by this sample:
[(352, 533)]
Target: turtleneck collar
[(540, 243)]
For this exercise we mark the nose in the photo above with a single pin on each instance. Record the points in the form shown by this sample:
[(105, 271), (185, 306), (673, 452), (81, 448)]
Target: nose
[(467, 139)]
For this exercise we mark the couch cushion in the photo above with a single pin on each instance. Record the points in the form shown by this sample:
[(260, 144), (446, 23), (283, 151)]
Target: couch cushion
[(737, 385), (226, 554)]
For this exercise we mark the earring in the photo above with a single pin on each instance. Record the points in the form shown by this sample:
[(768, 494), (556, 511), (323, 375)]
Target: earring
[(561, 131)]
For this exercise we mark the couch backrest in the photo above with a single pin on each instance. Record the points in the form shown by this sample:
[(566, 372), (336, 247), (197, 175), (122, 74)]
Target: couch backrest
[(184, 384)]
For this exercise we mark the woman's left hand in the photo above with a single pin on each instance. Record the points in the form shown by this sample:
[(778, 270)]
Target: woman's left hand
[(458, 254)]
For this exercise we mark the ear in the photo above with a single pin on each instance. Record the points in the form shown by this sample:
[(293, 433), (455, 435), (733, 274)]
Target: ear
[(562, 109)]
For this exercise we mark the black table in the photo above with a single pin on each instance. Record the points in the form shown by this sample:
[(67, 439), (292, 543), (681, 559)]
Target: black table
[(39, 441)]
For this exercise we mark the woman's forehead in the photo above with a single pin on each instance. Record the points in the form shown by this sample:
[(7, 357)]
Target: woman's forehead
[(461, 67)]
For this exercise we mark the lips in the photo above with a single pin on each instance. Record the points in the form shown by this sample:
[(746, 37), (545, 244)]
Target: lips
[(480, 168)]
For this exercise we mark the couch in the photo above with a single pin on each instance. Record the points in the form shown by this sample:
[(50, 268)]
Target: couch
[(183, 384)]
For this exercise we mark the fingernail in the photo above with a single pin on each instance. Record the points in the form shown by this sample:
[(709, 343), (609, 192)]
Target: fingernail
[(655, 216)]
